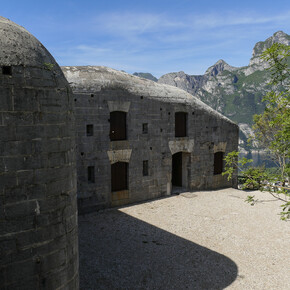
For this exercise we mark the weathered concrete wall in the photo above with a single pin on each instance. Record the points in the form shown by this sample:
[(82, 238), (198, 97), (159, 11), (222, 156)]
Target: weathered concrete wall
[(38, 214), (98, 91)]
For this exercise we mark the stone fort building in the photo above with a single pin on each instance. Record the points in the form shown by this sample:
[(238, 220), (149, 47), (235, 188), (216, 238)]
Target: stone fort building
[(138, 140), (38, 213), (133, 140)]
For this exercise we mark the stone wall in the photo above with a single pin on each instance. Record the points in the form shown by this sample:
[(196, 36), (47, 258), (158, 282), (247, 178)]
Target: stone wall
[(38, 213), (207, 133)]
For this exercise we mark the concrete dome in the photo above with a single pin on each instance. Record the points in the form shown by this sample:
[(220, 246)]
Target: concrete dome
[(19, 47), (97, 78), (38, 214)]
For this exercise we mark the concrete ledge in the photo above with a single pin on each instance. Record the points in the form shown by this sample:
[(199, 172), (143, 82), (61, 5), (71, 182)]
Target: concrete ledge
[(181, 145), (220, 147), (119, 106), (119, 155)]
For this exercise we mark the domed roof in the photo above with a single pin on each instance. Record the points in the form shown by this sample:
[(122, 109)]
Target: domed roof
[(19, 47), (95, 78)]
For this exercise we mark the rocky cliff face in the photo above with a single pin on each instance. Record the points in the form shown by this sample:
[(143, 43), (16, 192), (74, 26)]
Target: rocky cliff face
[(236, 92)]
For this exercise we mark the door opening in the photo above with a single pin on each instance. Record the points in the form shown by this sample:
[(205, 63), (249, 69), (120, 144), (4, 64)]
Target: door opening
[(119, 176), (177, 169)]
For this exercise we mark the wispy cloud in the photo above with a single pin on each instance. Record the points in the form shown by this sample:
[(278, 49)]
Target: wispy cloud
[(140, 23), (233, 18), (160, 42), (92, 49)]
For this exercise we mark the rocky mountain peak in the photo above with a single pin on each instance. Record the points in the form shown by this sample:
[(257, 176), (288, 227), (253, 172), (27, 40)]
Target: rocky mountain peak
[(147, 76), (218, 67), (236, 92), (277, 37), (280, 34)]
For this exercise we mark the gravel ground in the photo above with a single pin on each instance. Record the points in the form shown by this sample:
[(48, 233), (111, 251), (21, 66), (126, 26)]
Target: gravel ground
[(196, 240)]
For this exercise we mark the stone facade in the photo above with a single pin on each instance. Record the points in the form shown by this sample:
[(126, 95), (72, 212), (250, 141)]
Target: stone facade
[(151, 151), (136, 140), (38, 213)]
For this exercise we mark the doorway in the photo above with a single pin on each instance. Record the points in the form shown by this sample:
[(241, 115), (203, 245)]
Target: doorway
[(119, 176), (181, 170), (177, 169)]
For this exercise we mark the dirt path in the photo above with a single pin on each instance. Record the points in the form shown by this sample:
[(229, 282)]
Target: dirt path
[(199, 240)]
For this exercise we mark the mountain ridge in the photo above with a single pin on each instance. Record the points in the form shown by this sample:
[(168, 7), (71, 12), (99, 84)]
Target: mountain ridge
[(236, 92)]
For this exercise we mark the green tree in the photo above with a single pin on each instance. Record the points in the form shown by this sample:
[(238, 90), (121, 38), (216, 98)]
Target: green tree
[(272, 127), (271, 130)]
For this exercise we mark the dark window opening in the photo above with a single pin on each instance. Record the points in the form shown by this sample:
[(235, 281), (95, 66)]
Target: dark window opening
[(119, 176), (90, 130), (145, 167), (118, 126), (218, 162), (92, 95), (7, 70), (180, 124), (145, 128), (91, 174)]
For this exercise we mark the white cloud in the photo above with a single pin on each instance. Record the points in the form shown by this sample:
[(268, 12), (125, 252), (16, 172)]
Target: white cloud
[(160, 43), (213, 20), (139, 23), (83, 48)]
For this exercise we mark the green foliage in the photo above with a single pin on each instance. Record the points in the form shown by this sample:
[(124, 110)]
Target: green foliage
[(231, 164), (251, 178), (48, 66), (242, 104), (254, 178), (258, 178), (273, 171), (272, 131), (250, 199), (285, 213), (272, 127), (254, 78), (277, 56)]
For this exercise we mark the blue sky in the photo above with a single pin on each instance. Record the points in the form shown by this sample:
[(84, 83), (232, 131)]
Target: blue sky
[(150, 36)]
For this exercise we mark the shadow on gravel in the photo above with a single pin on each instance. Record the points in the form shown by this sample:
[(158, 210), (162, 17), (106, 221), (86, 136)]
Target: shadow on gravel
[(118, 251)]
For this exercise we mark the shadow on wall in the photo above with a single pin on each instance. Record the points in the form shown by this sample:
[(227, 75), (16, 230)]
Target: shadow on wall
[(118, 251)]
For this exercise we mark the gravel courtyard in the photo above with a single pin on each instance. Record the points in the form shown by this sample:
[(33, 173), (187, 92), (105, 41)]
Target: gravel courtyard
[(198, 240)]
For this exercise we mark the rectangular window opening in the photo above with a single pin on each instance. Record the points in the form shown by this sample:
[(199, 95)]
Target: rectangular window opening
[(118, 130), (145, 168), (91, 174), (90, 130), (145, 128), (180, 124), (7, 70)]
